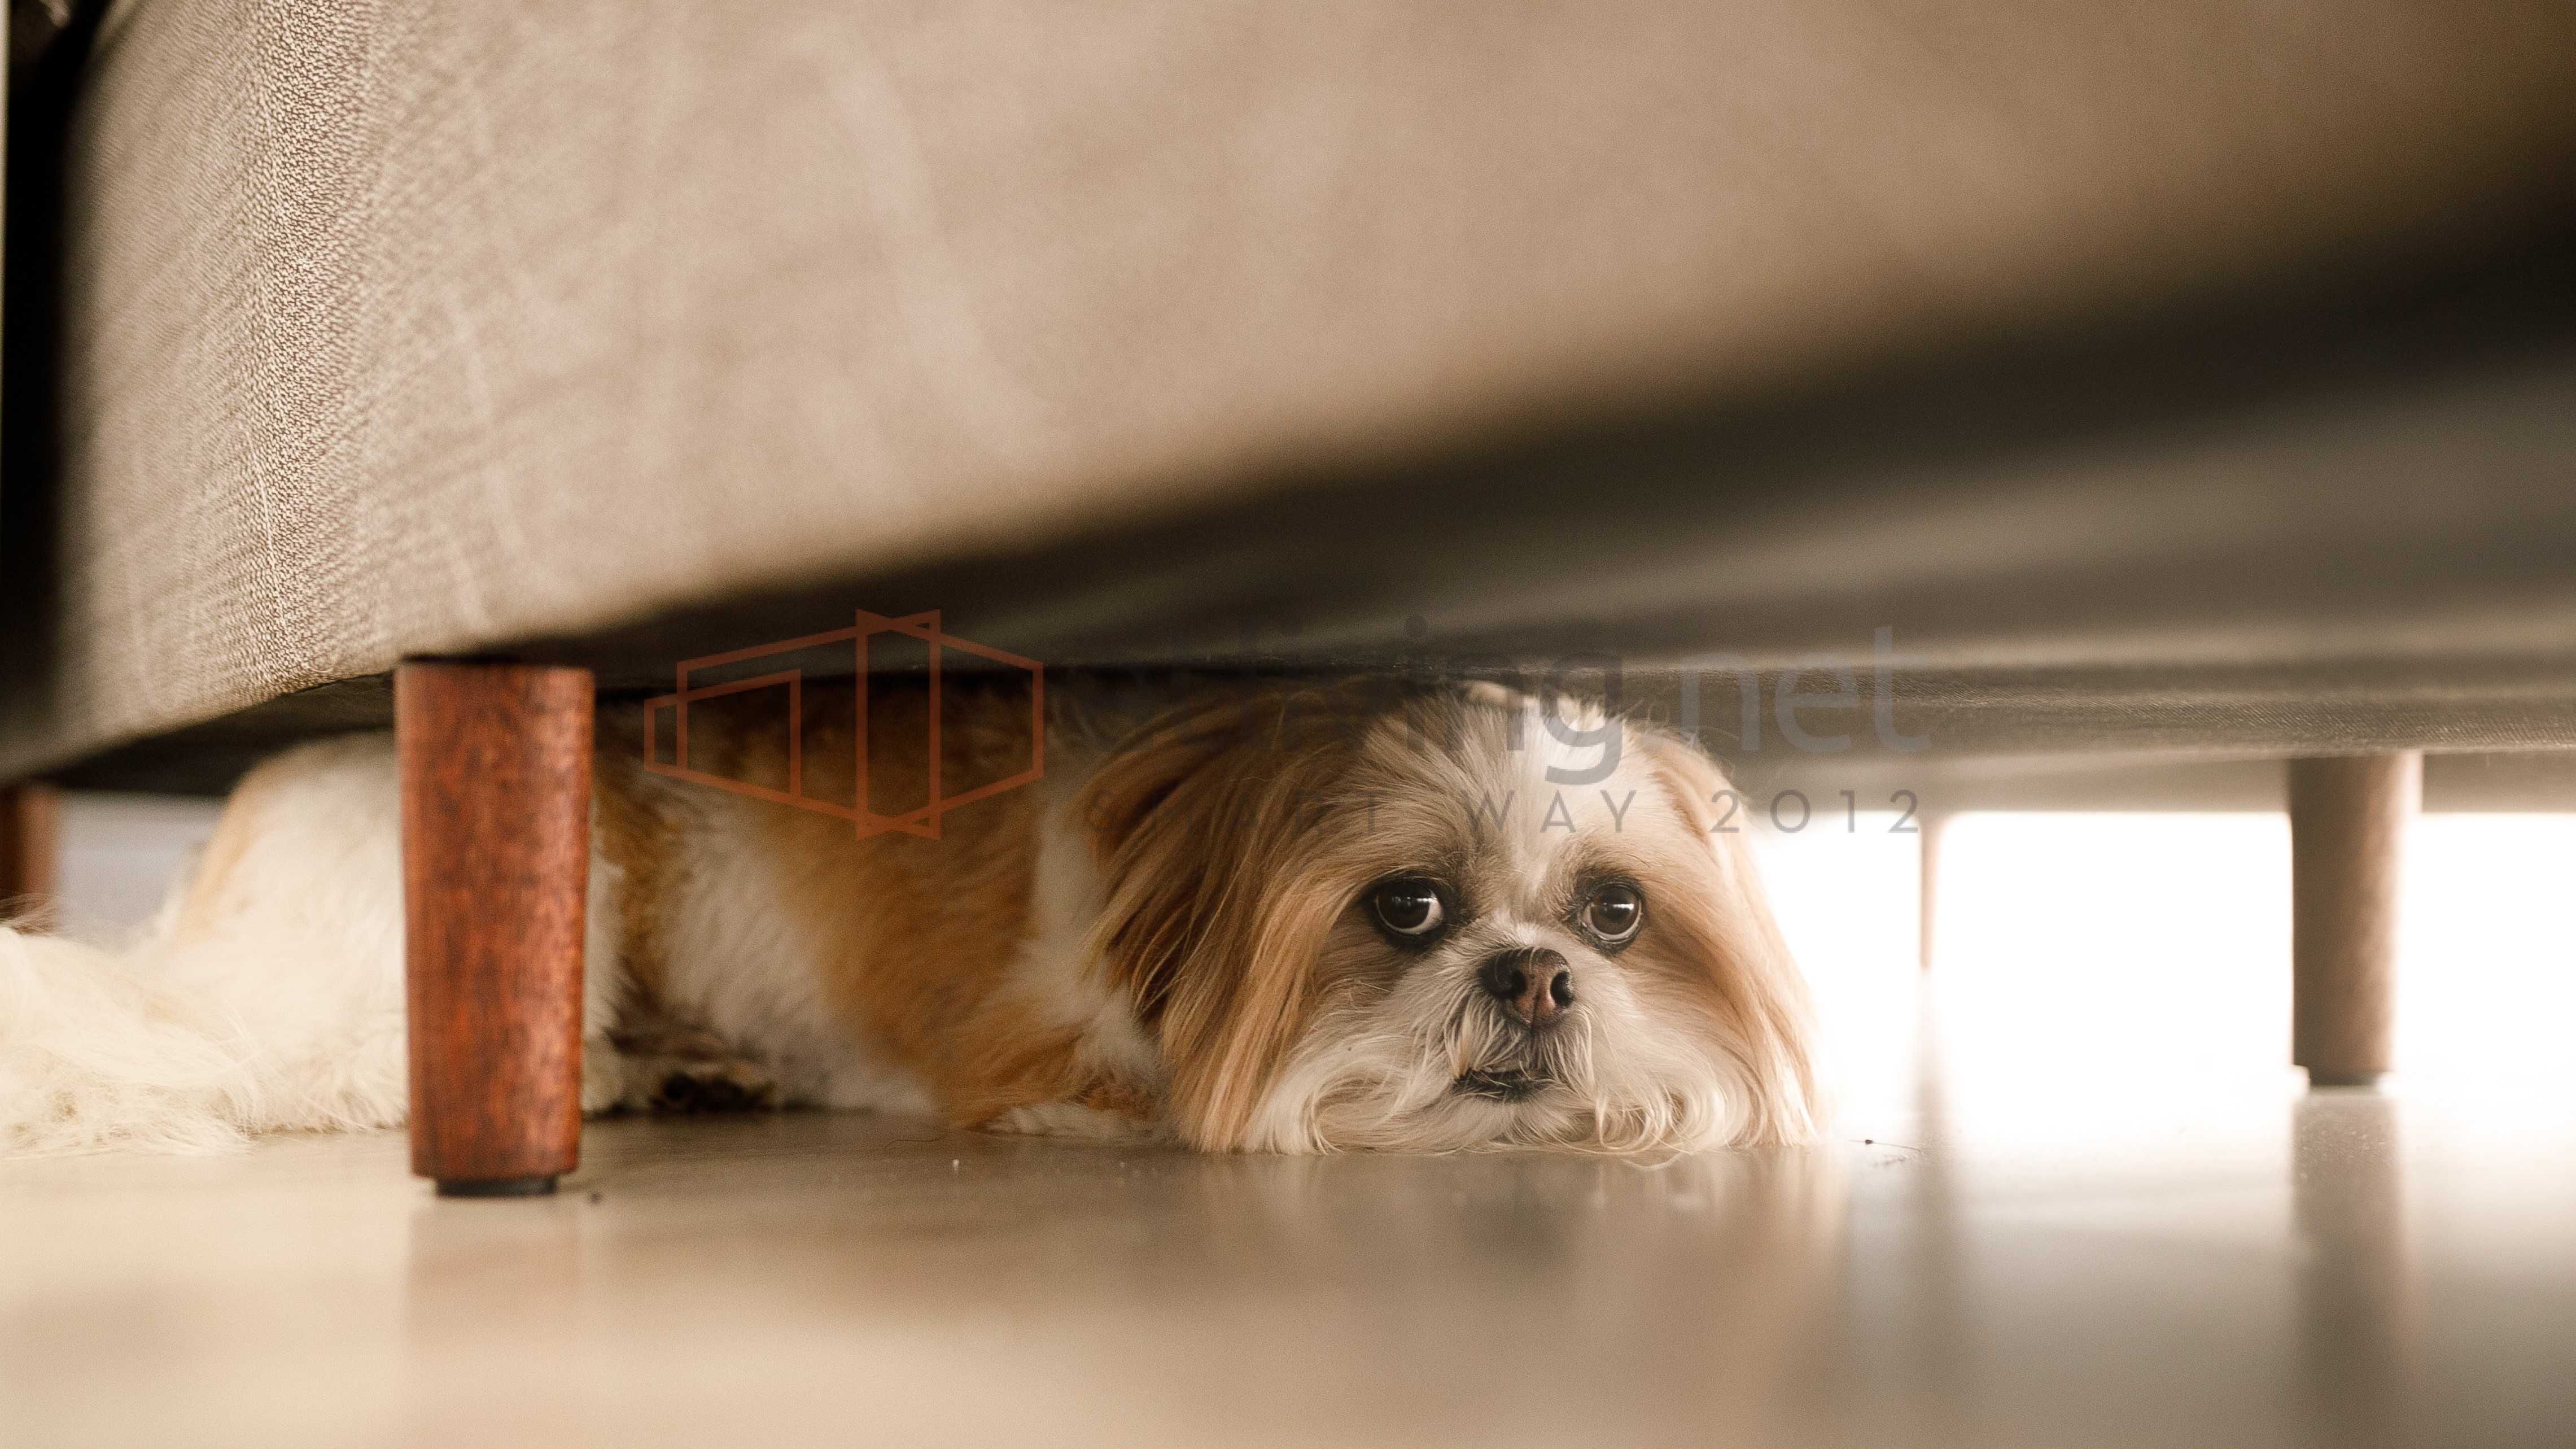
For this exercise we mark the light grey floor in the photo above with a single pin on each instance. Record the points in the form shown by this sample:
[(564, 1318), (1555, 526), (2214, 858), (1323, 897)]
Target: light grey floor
[(2168, 1268)]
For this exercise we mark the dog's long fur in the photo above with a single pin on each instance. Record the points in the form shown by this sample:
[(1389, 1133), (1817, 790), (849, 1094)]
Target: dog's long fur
[(1170, 933)]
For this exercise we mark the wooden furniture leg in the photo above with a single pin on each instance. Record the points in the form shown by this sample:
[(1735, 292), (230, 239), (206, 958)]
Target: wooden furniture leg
[(496, 867), (27, 848), (2348, 820)]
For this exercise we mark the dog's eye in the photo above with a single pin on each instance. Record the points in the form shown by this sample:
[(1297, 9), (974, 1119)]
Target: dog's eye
[(1409, 907), (1614, 913)]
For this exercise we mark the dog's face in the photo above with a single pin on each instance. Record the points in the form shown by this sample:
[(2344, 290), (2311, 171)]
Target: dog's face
[(1444, 920)]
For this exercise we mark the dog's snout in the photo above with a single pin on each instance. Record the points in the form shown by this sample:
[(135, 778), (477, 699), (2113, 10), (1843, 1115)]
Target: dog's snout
[(1531, 982)]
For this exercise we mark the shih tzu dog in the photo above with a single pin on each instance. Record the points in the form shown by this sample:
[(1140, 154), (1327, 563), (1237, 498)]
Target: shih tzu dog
[(1302, 918)]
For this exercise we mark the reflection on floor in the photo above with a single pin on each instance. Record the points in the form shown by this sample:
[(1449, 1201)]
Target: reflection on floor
[(2176, 1266)]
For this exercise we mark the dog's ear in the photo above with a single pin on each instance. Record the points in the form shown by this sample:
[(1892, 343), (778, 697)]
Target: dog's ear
[(1740, 963), (1141, 772), (1276, 729), (1215, 909)]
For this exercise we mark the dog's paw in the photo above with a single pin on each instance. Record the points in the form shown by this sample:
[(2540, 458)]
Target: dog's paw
[(656, 1064), (698, 1084), (1070, 1119), (603, 1077)]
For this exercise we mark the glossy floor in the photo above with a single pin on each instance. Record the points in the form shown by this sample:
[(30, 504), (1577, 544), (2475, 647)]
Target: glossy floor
[(2197, 1267)]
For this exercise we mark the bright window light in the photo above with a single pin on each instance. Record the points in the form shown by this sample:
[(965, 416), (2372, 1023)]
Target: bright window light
[(2091, 954)]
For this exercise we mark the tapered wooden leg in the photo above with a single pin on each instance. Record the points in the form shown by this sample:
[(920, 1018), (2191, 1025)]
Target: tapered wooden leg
[(27, 848), (2348, 820), (496, 865)]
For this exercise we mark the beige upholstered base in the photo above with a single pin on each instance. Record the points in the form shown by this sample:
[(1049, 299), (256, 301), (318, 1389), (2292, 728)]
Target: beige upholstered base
[(393, 327)]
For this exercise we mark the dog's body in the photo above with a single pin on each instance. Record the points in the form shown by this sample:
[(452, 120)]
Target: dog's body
[(1288, 920)]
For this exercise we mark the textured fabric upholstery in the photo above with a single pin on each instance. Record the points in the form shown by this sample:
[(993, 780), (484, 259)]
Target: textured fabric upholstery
[(399, 327)]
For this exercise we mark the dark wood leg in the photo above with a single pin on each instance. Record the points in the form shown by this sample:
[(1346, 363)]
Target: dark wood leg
[(496, 868), (2348, 820), (27, 848)]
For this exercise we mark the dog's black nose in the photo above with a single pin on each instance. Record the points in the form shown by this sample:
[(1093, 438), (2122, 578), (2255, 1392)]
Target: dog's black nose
[(1530, 981)]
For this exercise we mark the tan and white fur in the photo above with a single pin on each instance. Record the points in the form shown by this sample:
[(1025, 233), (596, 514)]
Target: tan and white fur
[(1187, 928)]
